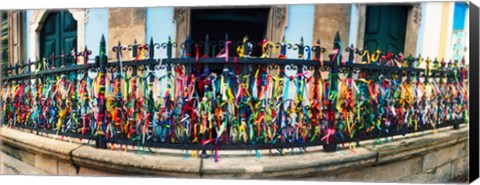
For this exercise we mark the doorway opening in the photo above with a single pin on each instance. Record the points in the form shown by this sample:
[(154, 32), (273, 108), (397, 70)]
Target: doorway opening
[(237, 23)]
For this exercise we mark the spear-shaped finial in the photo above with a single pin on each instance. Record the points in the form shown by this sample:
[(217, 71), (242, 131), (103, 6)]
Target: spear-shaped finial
[(317, 50), (29, 62), (351, 54), (169, 47), (38, 63), (428, 61), (283, 48), (442, 63), (435, 63), (151, 49), (246, 48), (102, 47), (337, 45), (301, 48), (336, 41), (226, 46), (241, 47), (188, 49), (206, 49), (119, 51), (53, 63), (62, 59), (418, 61), (86, 54), (134, 48), (409, 60)]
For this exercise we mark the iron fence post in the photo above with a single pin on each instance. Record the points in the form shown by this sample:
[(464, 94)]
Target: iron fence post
[(316, 50), (188, 49), (62, 59), (301, 48), (28, 66), (330, 145), (100, 133), (151, 49), (206, 49), (16, 69), (169, 48), (454, 101), (204, 154), (134, 48), (85, 53)]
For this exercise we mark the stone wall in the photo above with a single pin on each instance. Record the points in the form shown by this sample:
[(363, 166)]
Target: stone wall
[(413, 25), (330, 18), (125, 25), (421, 157)]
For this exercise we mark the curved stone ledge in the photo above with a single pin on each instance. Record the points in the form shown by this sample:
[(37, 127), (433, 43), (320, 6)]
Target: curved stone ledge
[(412, 158), (136, 164), (289, 166), (37, 144)]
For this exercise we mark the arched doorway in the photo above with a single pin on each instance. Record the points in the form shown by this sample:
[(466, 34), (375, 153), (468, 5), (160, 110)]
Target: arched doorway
[(58, 35)]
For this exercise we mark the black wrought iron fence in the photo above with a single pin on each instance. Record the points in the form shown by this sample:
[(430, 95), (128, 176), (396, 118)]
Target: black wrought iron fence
[(218, 97)]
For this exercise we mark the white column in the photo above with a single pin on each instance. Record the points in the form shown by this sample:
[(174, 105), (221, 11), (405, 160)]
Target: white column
[(449, 50), (467, 37), (354, 16), (431, 29)]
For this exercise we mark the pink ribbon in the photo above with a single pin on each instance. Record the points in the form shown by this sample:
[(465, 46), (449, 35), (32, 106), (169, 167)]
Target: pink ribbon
[(330, 131)]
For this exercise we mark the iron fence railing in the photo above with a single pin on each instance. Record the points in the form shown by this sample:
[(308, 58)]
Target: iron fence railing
[(208, 100)]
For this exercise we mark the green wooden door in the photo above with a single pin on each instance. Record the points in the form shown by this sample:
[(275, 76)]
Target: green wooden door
[(385, 28), (59, 34)]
